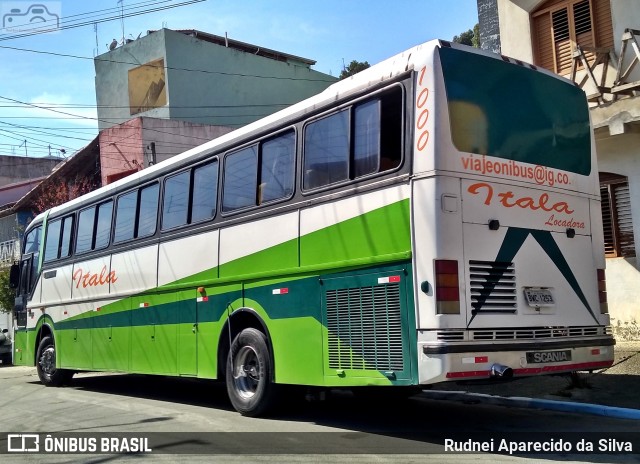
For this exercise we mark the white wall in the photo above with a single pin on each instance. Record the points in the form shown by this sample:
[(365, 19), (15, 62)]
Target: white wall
[(625, 14), (621, 155)]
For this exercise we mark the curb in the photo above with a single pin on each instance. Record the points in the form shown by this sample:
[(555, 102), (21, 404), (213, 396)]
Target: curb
[(533, 403)]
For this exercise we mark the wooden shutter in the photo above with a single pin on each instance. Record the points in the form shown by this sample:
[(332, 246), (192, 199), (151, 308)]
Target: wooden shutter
[(558, 26), (624, 221), (602, 23), (617, 219), (543, 38), (582, 26), (562, 40), (607, 223)]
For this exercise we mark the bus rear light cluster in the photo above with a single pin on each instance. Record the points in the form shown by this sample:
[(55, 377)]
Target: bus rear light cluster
[(447, 287), (602, 291)]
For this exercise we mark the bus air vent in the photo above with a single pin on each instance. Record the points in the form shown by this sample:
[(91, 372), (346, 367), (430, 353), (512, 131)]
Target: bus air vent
[(493, 286), (365, 328), (450, 335), (537, 333)]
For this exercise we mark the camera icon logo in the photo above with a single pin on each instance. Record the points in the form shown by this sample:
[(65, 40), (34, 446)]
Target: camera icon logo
[(30, 17), (23, 443)]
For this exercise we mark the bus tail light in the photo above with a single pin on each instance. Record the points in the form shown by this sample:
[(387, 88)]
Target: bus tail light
[(602, 291), (447, 287)]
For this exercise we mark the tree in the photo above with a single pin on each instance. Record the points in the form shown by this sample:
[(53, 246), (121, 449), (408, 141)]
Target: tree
[(353, 68), (54, 193), (7, 294), (470, 37)]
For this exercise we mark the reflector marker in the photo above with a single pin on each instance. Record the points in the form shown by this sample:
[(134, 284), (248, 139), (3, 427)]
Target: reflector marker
[(280, 291), (144, 305), (388, 280), (98, 309), (200, 299), (475, 360)]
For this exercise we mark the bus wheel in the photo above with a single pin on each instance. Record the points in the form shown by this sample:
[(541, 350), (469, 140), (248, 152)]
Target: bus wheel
[(249, 367), (46, 365)]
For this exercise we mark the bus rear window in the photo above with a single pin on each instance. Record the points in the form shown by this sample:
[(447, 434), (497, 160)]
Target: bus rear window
[(509, 111)]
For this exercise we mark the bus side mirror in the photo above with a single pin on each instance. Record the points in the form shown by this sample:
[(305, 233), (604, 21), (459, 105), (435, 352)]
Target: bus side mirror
[(14, 276)]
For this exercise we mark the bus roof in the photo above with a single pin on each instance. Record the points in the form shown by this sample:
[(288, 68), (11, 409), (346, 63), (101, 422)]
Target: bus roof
[(377, 74)]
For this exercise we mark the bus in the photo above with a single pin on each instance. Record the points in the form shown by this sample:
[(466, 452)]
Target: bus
[(433, 218)]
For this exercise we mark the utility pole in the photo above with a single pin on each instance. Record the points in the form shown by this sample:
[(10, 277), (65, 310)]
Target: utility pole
[(152, 147)]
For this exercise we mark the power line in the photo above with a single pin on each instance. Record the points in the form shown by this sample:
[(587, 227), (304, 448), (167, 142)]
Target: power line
[(99, 20), (205, 71), (92, 105)]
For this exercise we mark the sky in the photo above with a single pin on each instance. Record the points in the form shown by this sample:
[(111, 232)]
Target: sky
[(331, 32)]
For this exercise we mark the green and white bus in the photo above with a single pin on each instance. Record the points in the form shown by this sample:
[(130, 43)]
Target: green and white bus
[(433, 218)]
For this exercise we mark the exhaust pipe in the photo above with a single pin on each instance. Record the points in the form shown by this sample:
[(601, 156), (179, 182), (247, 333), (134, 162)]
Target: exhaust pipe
[(498, 371)]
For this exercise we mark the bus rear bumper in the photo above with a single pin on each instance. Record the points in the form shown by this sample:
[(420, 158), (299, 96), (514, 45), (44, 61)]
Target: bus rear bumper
[(450, 362)]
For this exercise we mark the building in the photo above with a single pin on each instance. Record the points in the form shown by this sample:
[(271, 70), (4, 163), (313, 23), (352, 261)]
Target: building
[(197, 77), (16, 169), (158, 96), (18, 175), (141, 142), (596, 44)]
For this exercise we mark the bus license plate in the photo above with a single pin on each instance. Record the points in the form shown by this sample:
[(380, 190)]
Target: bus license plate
[(539, 297), (537, 357)]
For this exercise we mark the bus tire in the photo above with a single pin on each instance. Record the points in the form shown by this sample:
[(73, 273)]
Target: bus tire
[(249, 374), (46, 365)]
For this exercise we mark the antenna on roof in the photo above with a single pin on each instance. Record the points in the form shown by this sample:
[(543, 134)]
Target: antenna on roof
[(121, 2), (95, 29)]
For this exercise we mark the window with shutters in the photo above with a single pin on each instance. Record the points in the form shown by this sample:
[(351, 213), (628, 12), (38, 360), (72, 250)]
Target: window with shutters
[(616, 216), (559, 26)]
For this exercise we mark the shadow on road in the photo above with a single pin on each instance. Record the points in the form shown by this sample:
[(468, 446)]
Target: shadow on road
[(416, 425)]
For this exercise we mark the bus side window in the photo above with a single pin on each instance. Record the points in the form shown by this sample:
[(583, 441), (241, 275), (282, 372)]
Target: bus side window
[(148, 211), (391, 117), (84, 236), (175, 204), (359, 141), (205, 192), (277, 163), (240, 177), (326, 150), (52, 243)]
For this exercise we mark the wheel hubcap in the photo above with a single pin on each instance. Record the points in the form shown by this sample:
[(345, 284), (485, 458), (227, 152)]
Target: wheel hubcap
[(246, 372), (48, 360)]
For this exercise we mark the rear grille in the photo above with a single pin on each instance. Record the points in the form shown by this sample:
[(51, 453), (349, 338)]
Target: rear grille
[(536, 333), (493, 286), (365, 328)]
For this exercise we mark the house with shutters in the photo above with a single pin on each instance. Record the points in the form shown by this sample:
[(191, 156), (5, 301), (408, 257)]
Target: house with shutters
[(595, 43)]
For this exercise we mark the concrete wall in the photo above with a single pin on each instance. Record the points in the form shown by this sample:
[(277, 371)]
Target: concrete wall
[(112, 79), (620, 154), (18, 168), (174, 137), (205, 82), (489, 25), (121, 149), (232, 100), (126, 147)]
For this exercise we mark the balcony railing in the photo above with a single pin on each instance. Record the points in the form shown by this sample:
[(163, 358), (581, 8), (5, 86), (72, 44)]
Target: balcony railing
[(620, 84), (9, 252)]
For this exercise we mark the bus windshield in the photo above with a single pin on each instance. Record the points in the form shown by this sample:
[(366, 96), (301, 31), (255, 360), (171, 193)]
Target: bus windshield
[(508, 111)]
